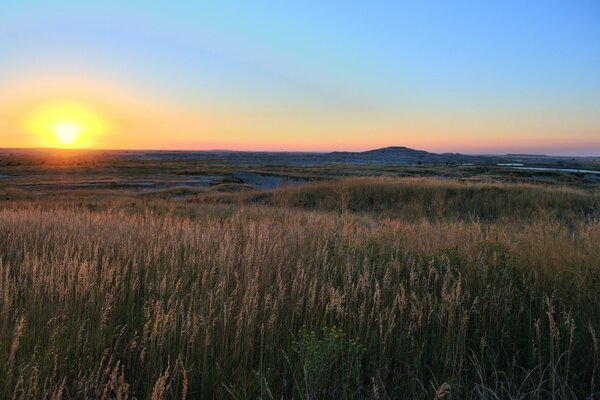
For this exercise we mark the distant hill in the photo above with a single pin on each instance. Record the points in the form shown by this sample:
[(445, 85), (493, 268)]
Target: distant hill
[(404, 155), (398, 150), (526, 155), (387, 155)]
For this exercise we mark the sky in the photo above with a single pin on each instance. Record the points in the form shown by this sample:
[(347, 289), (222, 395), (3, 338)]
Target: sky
[(465, 76)]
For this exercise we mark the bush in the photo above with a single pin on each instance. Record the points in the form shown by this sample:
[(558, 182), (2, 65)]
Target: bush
[(328, 366)]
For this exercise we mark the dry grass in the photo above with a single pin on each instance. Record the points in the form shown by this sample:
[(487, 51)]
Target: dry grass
[(206, 300), (434, 199)]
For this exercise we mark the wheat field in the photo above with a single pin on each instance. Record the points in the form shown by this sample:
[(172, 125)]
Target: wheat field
[(368, 288)]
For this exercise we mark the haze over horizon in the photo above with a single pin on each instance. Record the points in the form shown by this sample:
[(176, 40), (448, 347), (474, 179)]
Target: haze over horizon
[(474, 78), (551, 154)]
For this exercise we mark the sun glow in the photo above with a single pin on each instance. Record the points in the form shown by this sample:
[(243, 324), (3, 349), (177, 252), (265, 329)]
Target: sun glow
[(66, 133), (66, 125)]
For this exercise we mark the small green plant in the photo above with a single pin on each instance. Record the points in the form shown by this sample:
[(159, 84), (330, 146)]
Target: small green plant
[(329, 366)]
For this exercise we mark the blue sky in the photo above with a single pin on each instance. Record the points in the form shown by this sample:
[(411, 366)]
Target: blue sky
[(381, 71)]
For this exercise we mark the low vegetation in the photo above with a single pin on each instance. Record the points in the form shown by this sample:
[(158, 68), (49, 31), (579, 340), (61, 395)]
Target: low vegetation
[(426, 198), (368, 288)]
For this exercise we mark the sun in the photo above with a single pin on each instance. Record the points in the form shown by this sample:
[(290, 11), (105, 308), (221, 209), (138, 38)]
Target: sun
[(67, 133), (67, 125)]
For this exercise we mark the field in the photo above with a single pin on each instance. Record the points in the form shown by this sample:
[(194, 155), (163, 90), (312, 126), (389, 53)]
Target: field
[(349, 281)]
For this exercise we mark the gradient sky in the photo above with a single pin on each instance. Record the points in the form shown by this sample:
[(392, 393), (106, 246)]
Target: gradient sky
[(464, 76)]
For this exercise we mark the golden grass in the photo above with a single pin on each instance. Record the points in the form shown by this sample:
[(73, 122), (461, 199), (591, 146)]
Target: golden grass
[(417, 198), (200, 300)]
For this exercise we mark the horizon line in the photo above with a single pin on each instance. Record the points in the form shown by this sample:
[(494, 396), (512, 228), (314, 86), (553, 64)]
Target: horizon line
[(4, 149)]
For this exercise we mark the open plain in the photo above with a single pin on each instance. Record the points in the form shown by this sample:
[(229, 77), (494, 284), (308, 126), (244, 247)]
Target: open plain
[(129, 275)]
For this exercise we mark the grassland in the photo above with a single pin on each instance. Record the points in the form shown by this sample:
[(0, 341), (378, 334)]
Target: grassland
[(374, 288)]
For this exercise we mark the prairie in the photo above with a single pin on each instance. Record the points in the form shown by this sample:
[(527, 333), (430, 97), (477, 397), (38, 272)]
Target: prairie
[(374, 288)]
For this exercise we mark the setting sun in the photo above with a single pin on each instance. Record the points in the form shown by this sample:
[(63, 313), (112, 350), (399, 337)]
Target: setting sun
[(67, 133), (66, 125)]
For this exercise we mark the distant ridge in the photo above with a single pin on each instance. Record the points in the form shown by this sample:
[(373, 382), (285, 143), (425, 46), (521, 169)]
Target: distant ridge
[(404, 155), (396, 155), (391, 150), (397, 150), (526, 155)]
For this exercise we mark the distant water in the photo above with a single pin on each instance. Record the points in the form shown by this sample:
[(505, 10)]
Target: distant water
[(577, 171), (266, 181)]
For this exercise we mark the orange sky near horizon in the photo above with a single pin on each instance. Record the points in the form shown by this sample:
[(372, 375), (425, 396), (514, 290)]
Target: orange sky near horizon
[(470, 77), (133, 119)]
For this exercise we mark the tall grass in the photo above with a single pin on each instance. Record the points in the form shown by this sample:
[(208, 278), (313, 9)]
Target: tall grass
[(417, 198), (257, 301)]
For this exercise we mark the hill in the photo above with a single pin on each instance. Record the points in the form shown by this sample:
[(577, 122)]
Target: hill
[(406, 155)]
